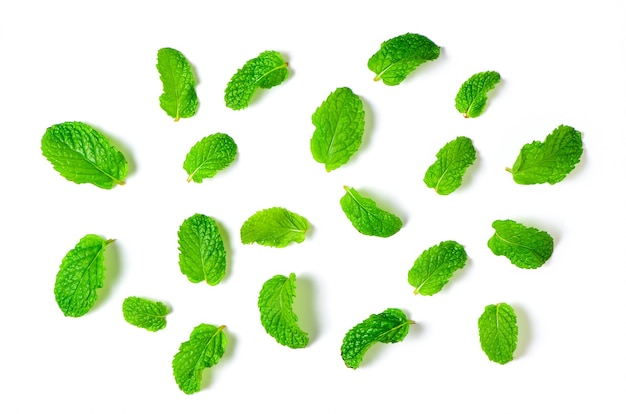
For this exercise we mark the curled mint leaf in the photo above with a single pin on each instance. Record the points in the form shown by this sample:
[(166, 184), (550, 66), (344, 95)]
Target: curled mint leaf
[(144, 313), (525, 247), (209, 156), (179, 99), (435, 266), (471, 99), (202, 256), (497, 329), (274, 227), (453, 160), (367, 217)]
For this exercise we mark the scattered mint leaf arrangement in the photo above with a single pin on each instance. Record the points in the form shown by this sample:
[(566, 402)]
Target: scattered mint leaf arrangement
[(435, 266), (367, 217), (525, 247), (179, 99), (453, 160), (274, 227), (497, 329), (471, 100), (209, 156), (144, 313), (202, 256)]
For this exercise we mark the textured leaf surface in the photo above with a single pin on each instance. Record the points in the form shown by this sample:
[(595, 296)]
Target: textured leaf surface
[(275, 227), (209, 156), (549, 161), (205, 347), (367, 217), (265, 71), (525, 247), (339, 124), (80, 275), (277, 317), (453, 160), (144, 313), (179, 99), (471, 99), (400, 56), (202, 255), (497, 328), (83, 155), (435, 266), (387, 327)]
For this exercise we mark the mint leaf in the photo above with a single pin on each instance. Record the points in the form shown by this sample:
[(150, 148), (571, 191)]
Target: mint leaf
[(179, 99), (549, 161), (400, 56), (339, 124), (277, 316), (206, 346), (83, 155), (80, 275), (387, 327), (525, 247), (208, 156), (497, 328), (265, 71), (274, 227), (435, 266), (367, 217), (144, 313), (202, 255), (471, 99), (446, 174)]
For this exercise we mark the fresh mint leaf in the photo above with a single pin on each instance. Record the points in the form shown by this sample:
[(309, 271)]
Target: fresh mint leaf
[(274, 227), (400, 56), (204, 349), (525, 247), (339, 124), (83, 155), (435, 266), (265, 71), (277, 317), (179, 99), (446, 174), (471, 99), (497, 329), (367, 217), (202, 255), (144, 313), (209, 156), (80, 275), (549, 161), (387, 327)]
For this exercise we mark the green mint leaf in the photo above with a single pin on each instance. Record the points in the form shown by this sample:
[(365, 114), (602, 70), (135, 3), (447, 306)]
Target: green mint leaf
[(206, 346), (274, 227), (387, 327), (525, 247), (265, 71), (339, 124), (367, 217), (202, 255), (549, 161), (435, 266), (83, 155), (400, 56), (471, 99), (277, 317), (497, 328), (209, 156), (144, 313), (80, 275), (179, 99), (446, 174)]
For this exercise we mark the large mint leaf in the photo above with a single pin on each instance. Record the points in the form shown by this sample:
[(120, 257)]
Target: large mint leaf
[(179, 99), (525, 247), (497, 328), (202, 255)]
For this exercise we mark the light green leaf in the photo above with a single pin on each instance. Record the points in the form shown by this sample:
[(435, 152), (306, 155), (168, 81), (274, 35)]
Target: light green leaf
[(179, 99), (209, 156), (83, 155), (497, 328), (202, 255), (144, 313), (446, 174), (471, 99), (274, 227), (435, 266), (525, 247), (367, 217), (339, 124), (277, 317)]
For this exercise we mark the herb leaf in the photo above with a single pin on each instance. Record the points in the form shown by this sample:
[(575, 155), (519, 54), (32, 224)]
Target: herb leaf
[(497, 328), (179, 99), (367, 217), (277, 317), (144, 313), (471, 99), (453, 159), (435, 266), (400, 56), (202, 255), (387, 327), (83, 155), (274, 227), (80, 275), (339, 125), (206, 346), (549, 161), (208, 156), (265, 71), (525, 247)]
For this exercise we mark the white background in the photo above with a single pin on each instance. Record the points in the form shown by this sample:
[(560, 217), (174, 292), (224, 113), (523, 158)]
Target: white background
[(562, 62)]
